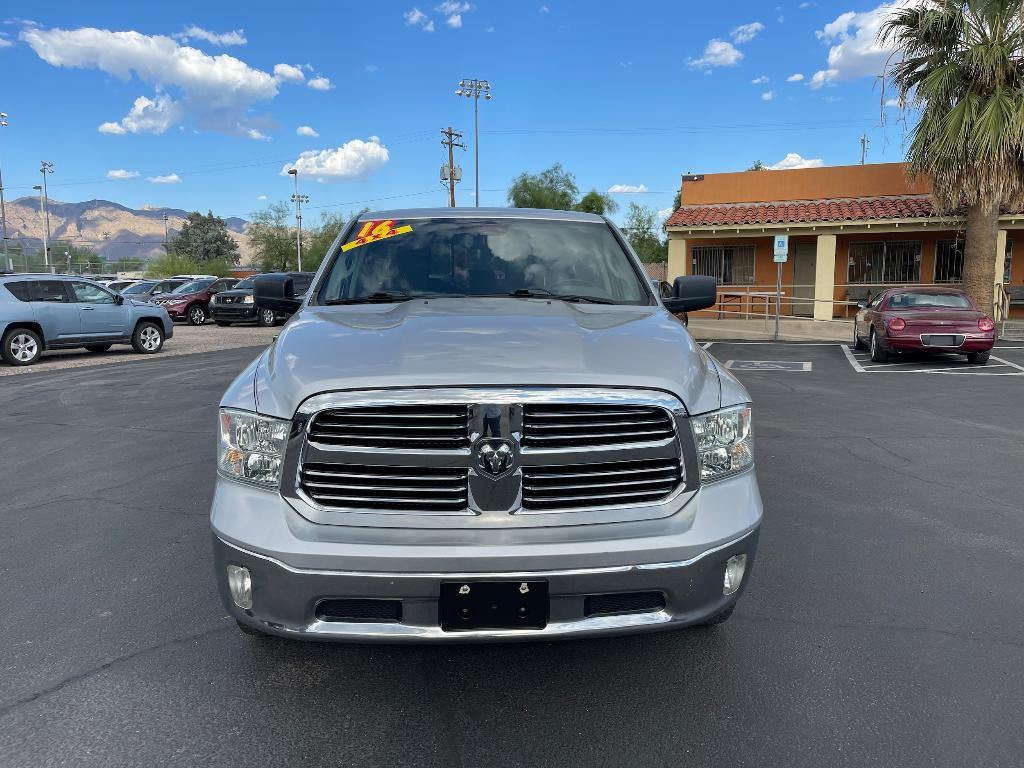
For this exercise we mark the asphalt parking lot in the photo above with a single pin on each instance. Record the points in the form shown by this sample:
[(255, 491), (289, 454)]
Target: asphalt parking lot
[(884, 624)]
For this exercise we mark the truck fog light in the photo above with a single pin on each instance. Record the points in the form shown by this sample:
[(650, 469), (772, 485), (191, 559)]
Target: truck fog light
[(240, 584), (734, 568)]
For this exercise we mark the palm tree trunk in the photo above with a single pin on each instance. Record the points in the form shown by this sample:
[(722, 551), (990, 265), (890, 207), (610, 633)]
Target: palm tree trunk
[(980, 242)]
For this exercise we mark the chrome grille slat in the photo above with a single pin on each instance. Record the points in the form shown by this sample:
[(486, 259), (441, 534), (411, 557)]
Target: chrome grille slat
[(419, 489), (404, 426), (569, 426), (563, 487)]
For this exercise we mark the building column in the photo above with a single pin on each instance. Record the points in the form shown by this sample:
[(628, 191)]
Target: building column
[(1000, 255), (678, 260), (825, 277)]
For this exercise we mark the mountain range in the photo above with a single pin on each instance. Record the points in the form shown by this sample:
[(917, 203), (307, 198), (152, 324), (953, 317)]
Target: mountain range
[(112, 230)]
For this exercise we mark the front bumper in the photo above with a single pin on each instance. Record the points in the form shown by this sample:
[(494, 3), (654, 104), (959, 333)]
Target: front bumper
[(236, 313), (682, 557)]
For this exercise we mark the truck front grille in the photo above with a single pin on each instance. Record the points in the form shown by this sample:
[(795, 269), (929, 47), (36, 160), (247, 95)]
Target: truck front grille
[(399, 489), (399, 426), (573, 425), (591, 485)]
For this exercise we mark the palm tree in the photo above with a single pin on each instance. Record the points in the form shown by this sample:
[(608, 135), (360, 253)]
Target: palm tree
[(961, 62)]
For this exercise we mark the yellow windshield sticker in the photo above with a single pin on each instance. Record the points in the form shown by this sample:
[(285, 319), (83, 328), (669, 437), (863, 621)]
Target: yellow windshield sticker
[(372, 231)]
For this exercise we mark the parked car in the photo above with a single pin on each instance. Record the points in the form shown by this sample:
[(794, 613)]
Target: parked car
[(143, 290), (119, 285), (193, 277), (923, 320), (482, 425), (191, 301), (41, 312), (238, 304)]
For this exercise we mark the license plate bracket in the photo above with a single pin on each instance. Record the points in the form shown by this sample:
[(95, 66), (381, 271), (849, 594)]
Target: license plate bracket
[(940, 340), (467, 605)]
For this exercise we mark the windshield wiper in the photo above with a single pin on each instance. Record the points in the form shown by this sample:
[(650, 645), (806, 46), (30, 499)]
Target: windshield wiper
[(544, 293), (379, 297)]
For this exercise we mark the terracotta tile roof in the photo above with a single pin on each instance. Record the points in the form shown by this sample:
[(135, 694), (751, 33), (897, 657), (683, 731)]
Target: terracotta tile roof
[(850, 209)]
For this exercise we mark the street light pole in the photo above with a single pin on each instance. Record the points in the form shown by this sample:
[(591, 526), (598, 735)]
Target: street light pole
[(46, 244), (3, 210), (167, 248), (45, 168), (474, 89), (298, 200)]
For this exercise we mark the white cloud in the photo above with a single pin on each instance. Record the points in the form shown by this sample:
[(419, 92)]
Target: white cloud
[(455, 21), (320, 83), (235, 37), (4, 42), (220, 91), (744, 33), (663, 214), (305, 130), (759, 80), (543, 9), (288, 73), (417, 18), (855, 50), (152, 115), (893, 103), (794, 160), (805, 6), (718, 53), (767, 95), (256, 135), (120, 174), (354, 159), (111, 129), (626, 189), (261, 197), (449, 7), (171, 178), (795, 78)]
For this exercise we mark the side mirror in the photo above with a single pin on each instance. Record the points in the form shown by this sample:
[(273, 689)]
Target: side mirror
[(275, 292), (862, 305), (118, 299), (691, 293)]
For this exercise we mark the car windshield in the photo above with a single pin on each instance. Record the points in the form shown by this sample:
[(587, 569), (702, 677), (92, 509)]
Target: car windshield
[(930, 301), (193, 287), (139, 287), (523, 257), (244, 285)]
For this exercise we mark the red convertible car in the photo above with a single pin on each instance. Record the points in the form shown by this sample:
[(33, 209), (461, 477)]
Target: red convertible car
[(923, 320)]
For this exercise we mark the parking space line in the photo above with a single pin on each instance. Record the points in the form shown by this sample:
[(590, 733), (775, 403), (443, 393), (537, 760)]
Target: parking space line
[(852, 360), (1007, 362), (707, 345)]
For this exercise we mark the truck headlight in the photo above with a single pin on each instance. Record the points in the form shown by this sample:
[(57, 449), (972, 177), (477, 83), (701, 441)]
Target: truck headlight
[(248, 299), (725, 442), (251, 448)]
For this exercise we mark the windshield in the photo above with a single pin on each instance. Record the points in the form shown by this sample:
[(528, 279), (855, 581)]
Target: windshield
[(139, 287), (193, 287), (244, 285), (930, 300), (484, 257)]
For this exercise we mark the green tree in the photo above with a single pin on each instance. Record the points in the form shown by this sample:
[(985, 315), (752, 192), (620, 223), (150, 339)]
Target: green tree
[(595, 202), (960, 63), (677, 201), (271, 239), (554, 188), (644, 234), (757, 166), (172, 263), (205, 239), (322, 237)]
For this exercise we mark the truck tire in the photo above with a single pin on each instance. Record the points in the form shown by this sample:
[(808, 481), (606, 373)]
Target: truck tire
[(979, 358), (196, 315), (148, 338), (21, 346)]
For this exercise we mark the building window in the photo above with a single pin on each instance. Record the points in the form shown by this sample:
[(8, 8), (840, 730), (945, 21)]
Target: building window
[(1008, 261), (728, 264), (949, 261), (894, 261)]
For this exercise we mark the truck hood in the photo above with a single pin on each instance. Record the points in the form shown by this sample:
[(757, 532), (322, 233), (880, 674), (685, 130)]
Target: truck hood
[(479, 342)]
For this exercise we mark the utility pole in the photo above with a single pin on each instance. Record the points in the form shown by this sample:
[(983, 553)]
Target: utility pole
[(298, 200), (3, 211), (167, 248), (449, 173), (474, 89), (45, 168), (865, 142)]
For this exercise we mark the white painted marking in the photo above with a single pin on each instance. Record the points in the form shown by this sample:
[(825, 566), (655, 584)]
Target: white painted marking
[(1007, 362), (768, 365), (852, 360), (779, 343), (707, 345)]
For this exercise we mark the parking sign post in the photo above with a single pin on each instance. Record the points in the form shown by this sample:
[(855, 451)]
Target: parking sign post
[(781, 252)]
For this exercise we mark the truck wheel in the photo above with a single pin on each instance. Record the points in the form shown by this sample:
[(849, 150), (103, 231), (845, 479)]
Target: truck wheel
[(979, 358), (196, 315), (719, 618), (878, 353), (266, 318), (21, 346), (98, 347), (148, 338)]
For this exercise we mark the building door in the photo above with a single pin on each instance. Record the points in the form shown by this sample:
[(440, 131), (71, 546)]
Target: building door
[(805, 260)]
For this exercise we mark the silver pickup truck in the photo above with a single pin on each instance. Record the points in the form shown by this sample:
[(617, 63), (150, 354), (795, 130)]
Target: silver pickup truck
[(483, 425)]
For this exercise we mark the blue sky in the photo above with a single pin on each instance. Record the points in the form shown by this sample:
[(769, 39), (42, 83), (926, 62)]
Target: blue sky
[(190, 105)]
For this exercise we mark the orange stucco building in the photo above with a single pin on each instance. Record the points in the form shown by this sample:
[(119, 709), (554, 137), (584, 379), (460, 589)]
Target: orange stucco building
[(852, 230)]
